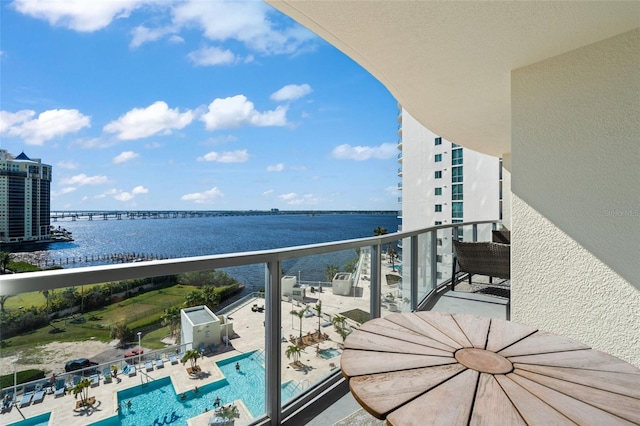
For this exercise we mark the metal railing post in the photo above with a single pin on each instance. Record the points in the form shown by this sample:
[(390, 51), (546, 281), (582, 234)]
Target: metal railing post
[(433, 258), (413, 297), (273, 353), (376, 280)]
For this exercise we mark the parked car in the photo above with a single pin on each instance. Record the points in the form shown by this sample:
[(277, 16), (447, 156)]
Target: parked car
[(78, 364), (130, 356)]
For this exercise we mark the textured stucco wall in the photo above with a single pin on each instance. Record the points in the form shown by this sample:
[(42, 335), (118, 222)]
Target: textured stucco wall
[(575, 165)]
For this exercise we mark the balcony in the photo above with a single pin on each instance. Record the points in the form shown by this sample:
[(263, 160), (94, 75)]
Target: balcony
[(377, 286)]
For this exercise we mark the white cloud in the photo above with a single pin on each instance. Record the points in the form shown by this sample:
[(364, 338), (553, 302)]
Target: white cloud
[(139, 190), (206, 197), (125, 156), (287, 197), (70, 165), (361, 153), (208, 56), (83, 179), (291, 92), (144, 122), (276, 168), (48, 125), (142, 34), (239, 156), (78, 15), (268, 192), (63, 191), (176, 39), (123, 196), (120, 195), (237, 111), (246, 22)]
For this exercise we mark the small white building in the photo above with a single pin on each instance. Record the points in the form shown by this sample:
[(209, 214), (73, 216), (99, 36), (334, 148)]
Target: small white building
[(342, 284), (201, 326), (291, 288)]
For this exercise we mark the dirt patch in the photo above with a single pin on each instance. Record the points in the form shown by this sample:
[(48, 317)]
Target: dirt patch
[(53, 356)]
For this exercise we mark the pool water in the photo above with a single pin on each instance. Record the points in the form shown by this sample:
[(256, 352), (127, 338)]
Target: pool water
[(41, 420), (328, 353), (157, 403)]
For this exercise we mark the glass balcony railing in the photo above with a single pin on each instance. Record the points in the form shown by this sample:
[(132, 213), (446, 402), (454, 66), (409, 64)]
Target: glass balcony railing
[(294, 326)]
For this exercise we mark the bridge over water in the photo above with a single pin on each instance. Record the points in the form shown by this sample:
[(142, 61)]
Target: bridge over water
[(173, 214)]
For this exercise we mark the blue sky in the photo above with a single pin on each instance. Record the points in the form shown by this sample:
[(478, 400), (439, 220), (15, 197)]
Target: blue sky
[(192, 105)]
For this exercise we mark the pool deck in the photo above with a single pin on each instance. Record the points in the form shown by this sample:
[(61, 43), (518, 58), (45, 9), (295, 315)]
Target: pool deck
[(249, 336)]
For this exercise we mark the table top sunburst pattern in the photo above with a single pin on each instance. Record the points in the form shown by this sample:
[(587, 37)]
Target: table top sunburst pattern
[(456, 369)]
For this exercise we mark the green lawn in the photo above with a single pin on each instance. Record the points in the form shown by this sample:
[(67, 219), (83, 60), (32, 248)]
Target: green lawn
[(142, 311)]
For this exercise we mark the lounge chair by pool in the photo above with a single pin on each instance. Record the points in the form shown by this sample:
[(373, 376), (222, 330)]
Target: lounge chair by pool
[(95, 380), (26, 399), (60, 388), (148, 365), (212, 347), (132, 370), (159, 363), (38, 396), (173, 359)]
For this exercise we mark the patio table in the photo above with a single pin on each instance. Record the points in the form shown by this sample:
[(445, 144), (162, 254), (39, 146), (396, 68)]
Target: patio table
[(449, 369)]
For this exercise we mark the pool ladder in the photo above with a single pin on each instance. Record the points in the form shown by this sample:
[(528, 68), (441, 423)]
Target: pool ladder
[(301, 386)]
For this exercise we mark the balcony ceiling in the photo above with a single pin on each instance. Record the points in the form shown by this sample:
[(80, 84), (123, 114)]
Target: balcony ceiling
[(449, 63)]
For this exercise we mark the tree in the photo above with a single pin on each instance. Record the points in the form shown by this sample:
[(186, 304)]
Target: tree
[(379, 231), (2, 300), (121, 332), (5, 258), (299, 314), (171, 317), (330, 271), (192, 356), (293, 351), (318, 309), (338, 324), (393, 256), (82, 388)]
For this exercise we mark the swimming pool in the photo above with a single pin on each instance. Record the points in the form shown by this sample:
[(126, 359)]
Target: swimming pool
[(157, 402), (41, 420), (328, 353)]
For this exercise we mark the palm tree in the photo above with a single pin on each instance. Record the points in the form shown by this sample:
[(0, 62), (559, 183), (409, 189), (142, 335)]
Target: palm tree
[(82, 388), (379, 231), (330, 271), (171, 317), (191, 355), (5, 258), (300, 314), (293, 351), (338, 324), (318, 309)]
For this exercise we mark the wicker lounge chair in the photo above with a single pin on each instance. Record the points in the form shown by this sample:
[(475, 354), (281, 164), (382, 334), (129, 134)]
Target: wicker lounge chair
[(483, 258)]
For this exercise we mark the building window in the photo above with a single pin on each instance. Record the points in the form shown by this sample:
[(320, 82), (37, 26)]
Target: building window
[(439, 241), (456, 175), (438, 207), (457, 210), (456, 192), (456, 157), (438, 191), (439, 258), (438, 174), (438, 141), (438, 222), (438, 158)]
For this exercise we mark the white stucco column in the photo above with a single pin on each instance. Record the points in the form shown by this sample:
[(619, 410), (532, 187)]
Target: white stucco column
[(575, 167)]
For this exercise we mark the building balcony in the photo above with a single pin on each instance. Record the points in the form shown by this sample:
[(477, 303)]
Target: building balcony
[(377, 287)]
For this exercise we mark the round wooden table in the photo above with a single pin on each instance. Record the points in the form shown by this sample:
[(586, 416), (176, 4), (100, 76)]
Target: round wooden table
[(447, 369)]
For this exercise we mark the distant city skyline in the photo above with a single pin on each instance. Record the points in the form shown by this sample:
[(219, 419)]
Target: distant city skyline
[(192, 105)]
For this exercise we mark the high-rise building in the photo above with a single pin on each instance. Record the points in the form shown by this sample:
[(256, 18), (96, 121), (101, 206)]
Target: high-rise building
[(441, 182), (25, 199)]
